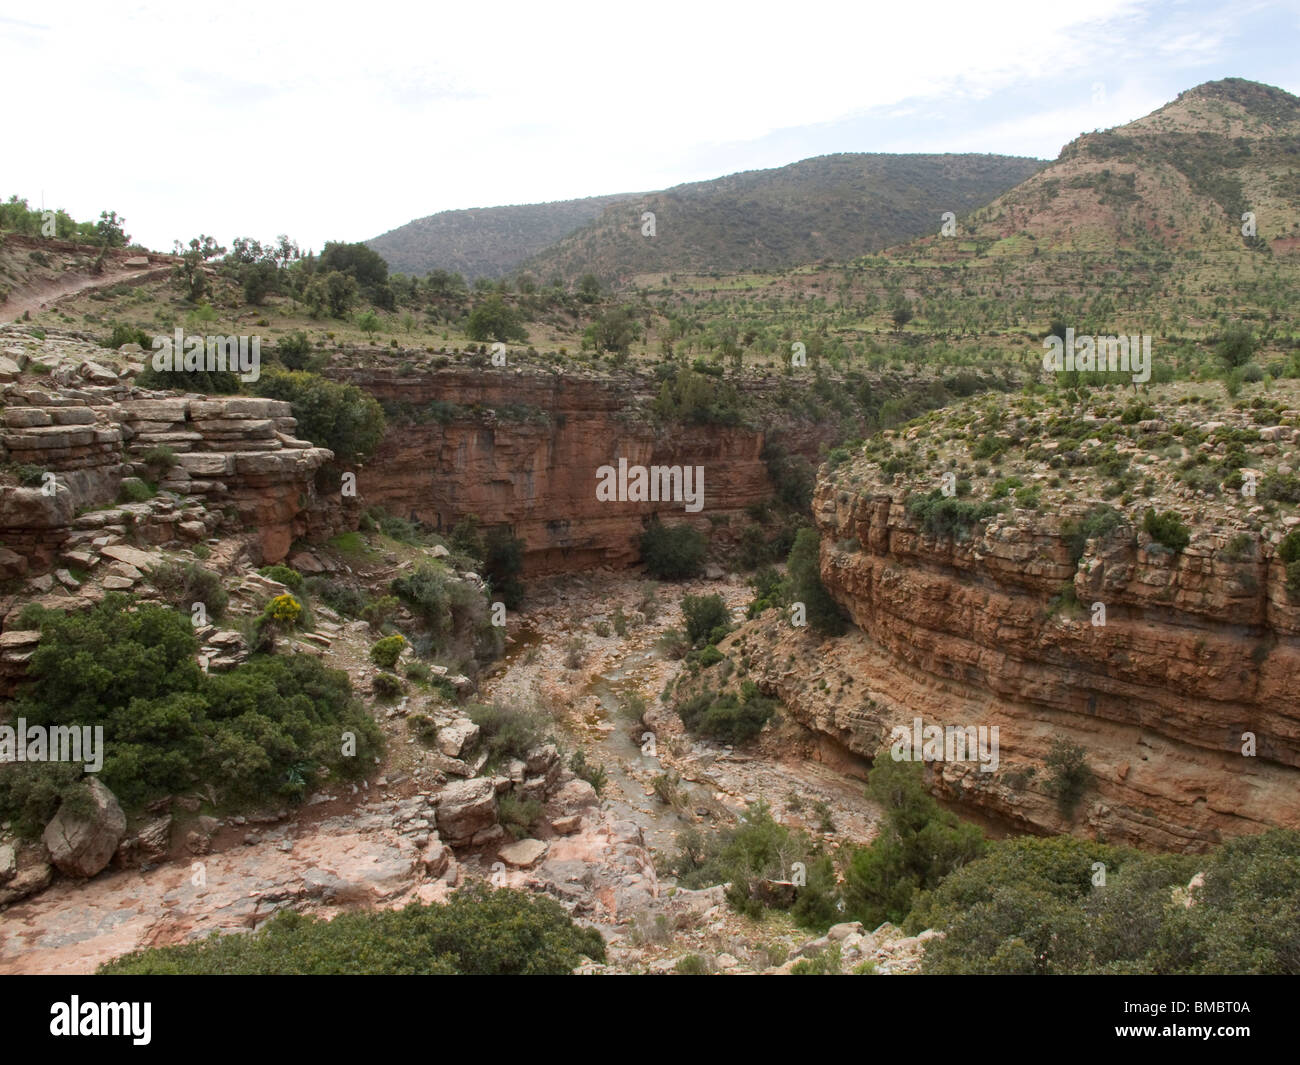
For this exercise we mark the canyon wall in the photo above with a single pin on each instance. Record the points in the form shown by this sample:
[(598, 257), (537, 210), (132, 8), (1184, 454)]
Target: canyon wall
[(1196, 652), (522, 449)]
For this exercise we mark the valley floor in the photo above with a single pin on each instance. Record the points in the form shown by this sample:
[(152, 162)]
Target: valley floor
[(364, 849)]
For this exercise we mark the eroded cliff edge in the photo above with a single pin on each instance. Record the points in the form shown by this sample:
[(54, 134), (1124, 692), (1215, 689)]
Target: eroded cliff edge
[(994, 625)]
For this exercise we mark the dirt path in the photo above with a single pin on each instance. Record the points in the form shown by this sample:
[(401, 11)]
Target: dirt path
[(42, 297)]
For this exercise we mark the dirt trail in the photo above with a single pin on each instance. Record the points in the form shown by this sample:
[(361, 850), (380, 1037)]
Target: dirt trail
[(42, 297)]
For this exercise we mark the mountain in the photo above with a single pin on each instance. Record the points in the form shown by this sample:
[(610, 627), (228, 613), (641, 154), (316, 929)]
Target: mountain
[(485, 241), (833, 206), (1179, 179), (830, 207)]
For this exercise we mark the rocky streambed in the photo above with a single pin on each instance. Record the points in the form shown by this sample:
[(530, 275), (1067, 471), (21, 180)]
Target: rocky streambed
[(425, 824)]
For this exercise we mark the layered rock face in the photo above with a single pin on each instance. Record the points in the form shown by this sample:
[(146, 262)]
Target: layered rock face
[(523, 450), (1195, 653), (74, 435), (233, 451)]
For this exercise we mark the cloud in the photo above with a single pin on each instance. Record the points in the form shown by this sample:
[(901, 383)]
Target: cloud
[(343, 121)]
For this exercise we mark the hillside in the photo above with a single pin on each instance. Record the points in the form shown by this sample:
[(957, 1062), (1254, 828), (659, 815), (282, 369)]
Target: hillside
[(485, 241), (832, 207), (1179, 178)]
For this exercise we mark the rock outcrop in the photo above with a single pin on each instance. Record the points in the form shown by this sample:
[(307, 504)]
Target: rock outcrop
[(1195, 662), (78, 431)]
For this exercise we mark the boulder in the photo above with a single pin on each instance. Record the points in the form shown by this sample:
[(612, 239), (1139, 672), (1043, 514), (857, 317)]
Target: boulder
[(435, 858), (575, 795), (523, 853), (456, 738), (28, 881), (82, 838), (97, 374), (149, 844), (8, 864), (466, 808)]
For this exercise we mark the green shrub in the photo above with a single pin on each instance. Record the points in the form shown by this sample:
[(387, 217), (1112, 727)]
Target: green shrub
[(947, 516), (919, 845), (378, 612), (477, 932), (672, 552), (727, 717), (518, 816), (285, 575), (756, 859), (269, 727), (1099, 521), (1166, 529), (385, 653), (803, 569), (294, 351), (1069, 774), (339, 597), (593, 774), (691, 965), (386, 685), (707, 656), (424, 727), (134, 490), (184, 584), (341, 417), (446, 606), (507, 731), (127, 334), (704, 614)]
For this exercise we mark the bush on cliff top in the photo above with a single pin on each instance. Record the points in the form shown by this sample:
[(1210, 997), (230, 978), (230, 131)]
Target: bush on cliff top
[(337, 416)]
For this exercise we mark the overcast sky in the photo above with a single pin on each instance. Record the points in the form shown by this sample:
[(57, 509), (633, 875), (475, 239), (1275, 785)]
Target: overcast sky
[(329, 121)]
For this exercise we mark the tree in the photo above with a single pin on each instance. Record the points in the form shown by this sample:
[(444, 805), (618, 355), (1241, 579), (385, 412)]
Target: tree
[(900, 311), (672, 552), (340, 417), (803, 568), (588, 288), (109, 230), (190, 270), (613, 331), (364, 265), (704, 614), (920, 845), (259, 280), (368, 323), (1236, 346), (493, 320)]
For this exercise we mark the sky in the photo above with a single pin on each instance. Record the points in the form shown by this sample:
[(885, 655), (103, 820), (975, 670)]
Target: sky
[(328, 121)]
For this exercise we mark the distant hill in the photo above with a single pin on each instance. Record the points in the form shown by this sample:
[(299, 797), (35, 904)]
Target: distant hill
[(485, 241), (833, 206), (1179, 179)]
